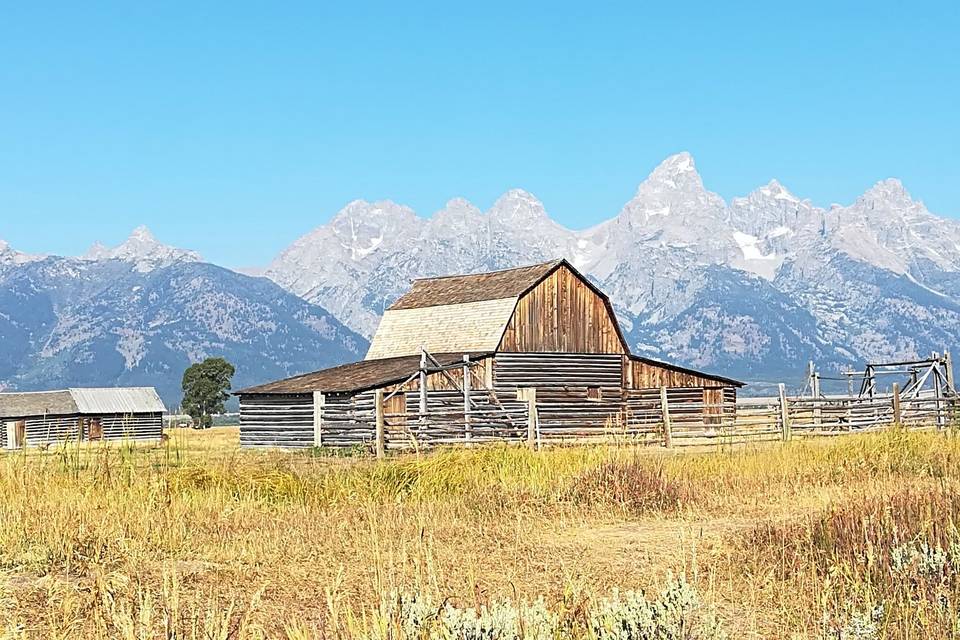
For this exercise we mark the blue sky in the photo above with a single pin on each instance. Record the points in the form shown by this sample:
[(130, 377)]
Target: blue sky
[(234, 128)]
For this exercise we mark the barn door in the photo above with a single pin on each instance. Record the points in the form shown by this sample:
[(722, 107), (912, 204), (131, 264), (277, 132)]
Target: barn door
[(94, 430), (396, 411), (16, 434)]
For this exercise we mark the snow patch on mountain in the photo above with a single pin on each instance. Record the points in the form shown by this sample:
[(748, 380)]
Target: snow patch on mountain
[(830, 274), (12, 257)]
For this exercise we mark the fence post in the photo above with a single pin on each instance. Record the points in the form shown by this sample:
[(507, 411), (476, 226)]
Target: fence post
[(938, 393), (318, 402), (665, 415), (897, 415), (381, 424), (467, 427), (948, 365), (423, 387), (784, 413), (532, 439), (817, 411)]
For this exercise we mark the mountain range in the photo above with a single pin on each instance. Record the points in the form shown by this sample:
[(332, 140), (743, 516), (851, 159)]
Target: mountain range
[(755, 287), (140, 313), (752, 288)]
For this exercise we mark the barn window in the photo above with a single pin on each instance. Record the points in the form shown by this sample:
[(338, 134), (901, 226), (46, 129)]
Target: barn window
[(594, 393)]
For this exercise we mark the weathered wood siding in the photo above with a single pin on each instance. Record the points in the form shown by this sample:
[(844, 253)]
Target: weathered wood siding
[(41, 430), (643, 375), (565, 383), (276, 420), (479, 378), (348, 420), (521, 370), (491, 419), (562, 314)]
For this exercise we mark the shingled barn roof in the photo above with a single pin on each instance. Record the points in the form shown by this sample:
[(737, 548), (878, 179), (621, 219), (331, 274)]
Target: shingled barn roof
[(460, 289), (356, 376), (450, 314)]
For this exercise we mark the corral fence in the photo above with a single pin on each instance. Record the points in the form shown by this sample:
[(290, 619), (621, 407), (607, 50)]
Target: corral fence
[(669, 417)]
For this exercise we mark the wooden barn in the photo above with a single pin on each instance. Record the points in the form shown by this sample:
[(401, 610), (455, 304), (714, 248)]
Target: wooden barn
[(482, 357), (44, 417)]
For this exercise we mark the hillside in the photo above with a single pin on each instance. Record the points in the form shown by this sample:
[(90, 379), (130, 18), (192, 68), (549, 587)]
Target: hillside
[(141, 318)]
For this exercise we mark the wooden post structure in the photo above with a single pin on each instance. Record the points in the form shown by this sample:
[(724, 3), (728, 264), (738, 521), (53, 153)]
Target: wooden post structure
[(948, 365), (817, 411), (467, 426), (897, 416), (11, 428), (423, 387), (951, 388), (784, 413), (532, 430), (381, 444), (665, 414), (318, 402), (938, 395)]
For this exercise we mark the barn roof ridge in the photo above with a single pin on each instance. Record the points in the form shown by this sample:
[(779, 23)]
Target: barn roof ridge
[(554, 262)]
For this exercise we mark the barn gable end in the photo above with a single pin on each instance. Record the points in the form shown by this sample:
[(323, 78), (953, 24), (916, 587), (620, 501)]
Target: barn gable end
[(563, 313)]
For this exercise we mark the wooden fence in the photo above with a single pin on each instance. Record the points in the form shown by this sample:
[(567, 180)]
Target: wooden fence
[(670, 417)]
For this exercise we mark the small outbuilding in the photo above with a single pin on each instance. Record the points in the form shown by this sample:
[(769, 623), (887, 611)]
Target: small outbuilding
[(480, 357), (34, 418)]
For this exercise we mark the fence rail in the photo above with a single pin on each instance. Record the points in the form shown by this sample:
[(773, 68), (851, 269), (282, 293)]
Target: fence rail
[(671, 417)]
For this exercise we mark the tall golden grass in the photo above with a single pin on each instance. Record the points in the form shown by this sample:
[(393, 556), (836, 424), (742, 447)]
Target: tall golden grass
[(198, 539)]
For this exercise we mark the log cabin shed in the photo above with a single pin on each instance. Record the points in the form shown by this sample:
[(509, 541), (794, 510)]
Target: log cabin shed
[(543, 326), (90, 414)]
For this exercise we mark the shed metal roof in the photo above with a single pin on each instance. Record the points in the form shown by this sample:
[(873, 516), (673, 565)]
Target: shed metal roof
[(118, 400), (94, 401)]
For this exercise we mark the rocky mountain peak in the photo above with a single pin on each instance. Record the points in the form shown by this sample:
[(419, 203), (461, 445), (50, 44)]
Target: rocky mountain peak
[(777, 191), (97, 251), (517, 206), (143, 249), (457, 215), (9, 255), (380, 210), (362, 227), (679, 171), (142, 234), (459, 208), (671, 195), (886, 193)]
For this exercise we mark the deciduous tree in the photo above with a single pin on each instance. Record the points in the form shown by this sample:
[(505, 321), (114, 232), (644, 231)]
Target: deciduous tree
[(205, 389)]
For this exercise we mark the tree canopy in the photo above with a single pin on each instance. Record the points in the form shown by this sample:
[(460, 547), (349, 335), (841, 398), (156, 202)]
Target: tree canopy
[(205, 389)]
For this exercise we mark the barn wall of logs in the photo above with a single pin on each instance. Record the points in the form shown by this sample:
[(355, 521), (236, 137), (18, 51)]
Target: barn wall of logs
[(578, 396)]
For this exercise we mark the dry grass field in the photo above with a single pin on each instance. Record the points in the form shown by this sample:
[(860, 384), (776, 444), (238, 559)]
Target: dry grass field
[(847, 538)]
